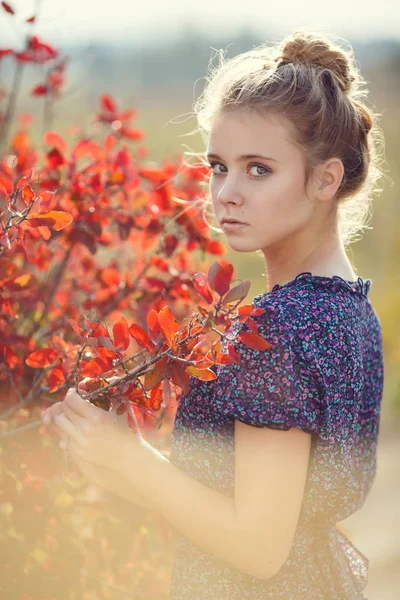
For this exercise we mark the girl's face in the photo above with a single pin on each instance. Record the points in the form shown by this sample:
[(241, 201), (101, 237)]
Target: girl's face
[(264, 191)]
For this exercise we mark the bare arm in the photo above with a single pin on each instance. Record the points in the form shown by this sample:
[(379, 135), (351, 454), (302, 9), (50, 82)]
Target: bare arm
[(112, 482), (202, 514)]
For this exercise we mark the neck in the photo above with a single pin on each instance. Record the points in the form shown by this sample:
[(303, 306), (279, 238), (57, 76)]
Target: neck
[(325, 257)]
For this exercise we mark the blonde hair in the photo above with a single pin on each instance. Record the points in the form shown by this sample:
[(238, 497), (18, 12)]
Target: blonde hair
[(317, 86)]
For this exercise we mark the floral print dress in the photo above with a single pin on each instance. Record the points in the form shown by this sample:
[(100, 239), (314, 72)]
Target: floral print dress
[(324, 374)]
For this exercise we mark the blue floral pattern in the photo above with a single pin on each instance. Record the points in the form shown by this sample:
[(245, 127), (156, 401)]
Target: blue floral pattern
[(324, 374)]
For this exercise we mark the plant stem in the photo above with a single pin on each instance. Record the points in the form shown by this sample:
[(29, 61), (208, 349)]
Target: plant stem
[(11, 104), (53, 290)]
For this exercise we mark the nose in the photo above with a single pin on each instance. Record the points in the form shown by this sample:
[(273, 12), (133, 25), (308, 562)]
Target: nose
[(228, 193)]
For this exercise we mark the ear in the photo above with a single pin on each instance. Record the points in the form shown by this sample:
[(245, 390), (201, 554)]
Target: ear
[(329, 177)]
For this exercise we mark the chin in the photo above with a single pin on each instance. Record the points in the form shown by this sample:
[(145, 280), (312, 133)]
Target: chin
[(243, 245)]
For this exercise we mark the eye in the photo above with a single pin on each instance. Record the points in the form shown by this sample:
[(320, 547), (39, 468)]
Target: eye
[(254, 165)]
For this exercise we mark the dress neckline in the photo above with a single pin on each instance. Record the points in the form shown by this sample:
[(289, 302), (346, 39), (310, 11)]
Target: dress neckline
[(360, 285)]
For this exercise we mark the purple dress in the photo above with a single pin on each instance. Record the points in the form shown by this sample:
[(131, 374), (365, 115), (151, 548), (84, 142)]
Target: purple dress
[(323, 374)]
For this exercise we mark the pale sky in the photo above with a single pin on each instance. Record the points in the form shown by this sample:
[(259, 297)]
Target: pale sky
[(147, 20)]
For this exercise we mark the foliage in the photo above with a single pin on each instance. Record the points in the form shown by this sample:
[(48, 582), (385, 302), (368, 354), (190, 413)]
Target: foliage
[(99, 281)]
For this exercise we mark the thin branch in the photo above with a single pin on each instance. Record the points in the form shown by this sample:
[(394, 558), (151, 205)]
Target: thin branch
[(53, 290), (11, 104)]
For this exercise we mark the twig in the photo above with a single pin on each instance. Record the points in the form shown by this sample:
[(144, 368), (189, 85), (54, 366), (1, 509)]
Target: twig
[(11, 104), (53, 289)]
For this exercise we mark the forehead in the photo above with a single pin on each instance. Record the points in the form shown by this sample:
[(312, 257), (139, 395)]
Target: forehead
[(255, 133)]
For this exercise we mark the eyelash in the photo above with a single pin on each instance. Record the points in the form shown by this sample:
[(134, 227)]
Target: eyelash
[(211, 165)]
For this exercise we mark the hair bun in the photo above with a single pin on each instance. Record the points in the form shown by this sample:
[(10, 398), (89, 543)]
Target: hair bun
[(307, 48)]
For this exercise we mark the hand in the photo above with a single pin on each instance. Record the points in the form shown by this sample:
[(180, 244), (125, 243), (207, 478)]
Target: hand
[(95, 436), (100, 476)]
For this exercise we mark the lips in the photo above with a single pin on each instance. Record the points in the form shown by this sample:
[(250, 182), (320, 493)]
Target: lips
[(233, 221)]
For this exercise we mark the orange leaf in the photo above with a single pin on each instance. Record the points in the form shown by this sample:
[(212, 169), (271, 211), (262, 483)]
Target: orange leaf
[(40, 222), (20, 282), (96, 367), (254, 341), (141, 336), (44, 232), (203, 374), (110, 276), (168, 325), (42, 358), (157, 374), (58, 219), (121, 334)]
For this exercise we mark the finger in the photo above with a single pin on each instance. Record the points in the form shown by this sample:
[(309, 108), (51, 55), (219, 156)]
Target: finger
[(49, 414), (82, 407), (67, 427), (83, 425)]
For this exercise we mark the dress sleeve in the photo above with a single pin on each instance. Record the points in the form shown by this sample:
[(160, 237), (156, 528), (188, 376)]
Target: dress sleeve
[(279, 387)]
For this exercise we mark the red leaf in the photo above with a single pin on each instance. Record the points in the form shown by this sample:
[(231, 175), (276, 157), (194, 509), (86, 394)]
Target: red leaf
[(10, 357), (220, 276), (121, 334), (254, 341), (200, 282), (39, 90), (83, 237), (96, 367), (168, 325), (5, 52), (21, 183), (170, 243), (51, 138), (76, 328), (100, 330), (152, 323), (56, 378), (42, 358), (8, 8), (132, 134), (30, 20), (141, 336), (55, 158), (108, 103)]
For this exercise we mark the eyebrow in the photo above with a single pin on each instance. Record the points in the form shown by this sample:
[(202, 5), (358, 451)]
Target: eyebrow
[(243, 157)]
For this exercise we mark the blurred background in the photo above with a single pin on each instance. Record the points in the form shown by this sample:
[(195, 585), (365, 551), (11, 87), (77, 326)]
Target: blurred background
[(153, 57)]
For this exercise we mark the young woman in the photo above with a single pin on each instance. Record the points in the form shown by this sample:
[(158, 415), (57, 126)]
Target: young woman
[(268, 457)]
